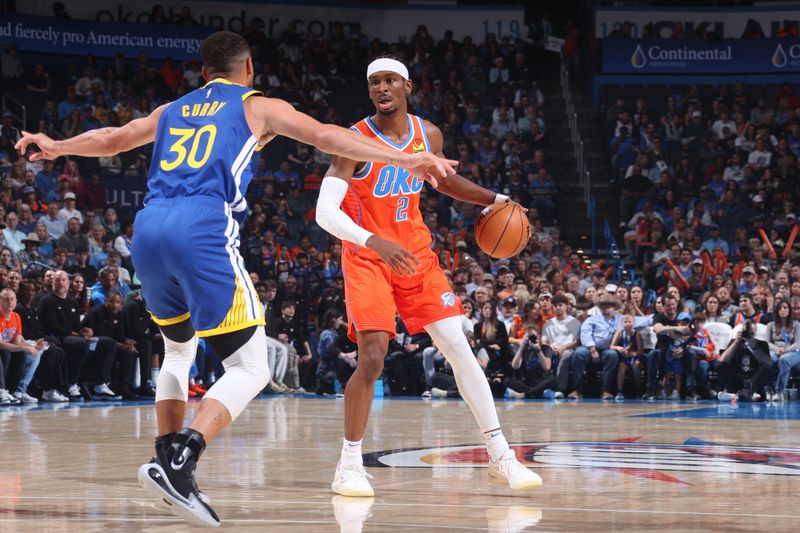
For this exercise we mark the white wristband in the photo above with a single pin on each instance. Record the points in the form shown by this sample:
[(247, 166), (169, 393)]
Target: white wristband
[(500, 198)]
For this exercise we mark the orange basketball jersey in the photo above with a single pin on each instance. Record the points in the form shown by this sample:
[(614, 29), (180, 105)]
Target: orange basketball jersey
[(384, 199)]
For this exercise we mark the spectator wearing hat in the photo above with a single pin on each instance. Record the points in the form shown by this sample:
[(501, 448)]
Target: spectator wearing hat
[(715, 242), (747, 311), (596, 335), (748, 280), (30, 253), (12, 235), (510, 319), (69, 210)]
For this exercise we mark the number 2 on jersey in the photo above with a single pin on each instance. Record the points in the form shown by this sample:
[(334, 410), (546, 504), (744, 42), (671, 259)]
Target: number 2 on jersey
[(178, 147), (402, 209)]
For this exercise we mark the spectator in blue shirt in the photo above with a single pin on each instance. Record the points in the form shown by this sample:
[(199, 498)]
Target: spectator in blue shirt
[(285, 177), (70, 103), (472, 124), (596, 335), (622, 145), (46, 179), (715, 241)]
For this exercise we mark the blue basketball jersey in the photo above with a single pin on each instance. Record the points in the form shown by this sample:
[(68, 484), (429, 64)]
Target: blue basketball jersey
[(204, 147)]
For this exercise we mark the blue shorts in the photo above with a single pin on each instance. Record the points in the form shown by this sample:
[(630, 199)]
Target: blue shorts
[(675, 365), (186, 254)]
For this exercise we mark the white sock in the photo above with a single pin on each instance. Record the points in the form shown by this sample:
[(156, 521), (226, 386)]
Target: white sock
[(154, 375), (351, 452), (496, 444)]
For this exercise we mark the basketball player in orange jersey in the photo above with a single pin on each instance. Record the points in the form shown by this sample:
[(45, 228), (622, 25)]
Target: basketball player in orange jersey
[(388, 264)]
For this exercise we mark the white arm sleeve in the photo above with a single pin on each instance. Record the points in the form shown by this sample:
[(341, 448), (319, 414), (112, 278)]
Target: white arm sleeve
[(330, 216)]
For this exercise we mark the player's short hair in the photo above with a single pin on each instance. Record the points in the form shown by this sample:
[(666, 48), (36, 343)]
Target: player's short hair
[(224, 51)]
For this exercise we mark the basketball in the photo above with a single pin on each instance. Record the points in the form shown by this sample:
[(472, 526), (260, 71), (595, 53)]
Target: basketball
[(502, 230)]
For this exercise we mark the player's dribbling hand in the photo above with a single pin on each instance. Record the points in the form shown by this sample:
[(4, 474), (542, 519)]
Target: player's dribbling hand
[(510, 201), (431, 167), (401, 260), (45, 144)]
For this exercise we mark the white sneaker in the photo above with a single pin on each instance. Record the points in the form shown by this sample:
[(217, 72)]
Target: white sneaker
[(351, 513), (756, 397), (517, 475), (438, 393), (53, 395), (511, 394), (675, 395), (103, 392), (619, 397), (7, 399), (74, 392), (724, 396), (511, 519), (24, 397), (558, 395), (777, 397), (351, 480)]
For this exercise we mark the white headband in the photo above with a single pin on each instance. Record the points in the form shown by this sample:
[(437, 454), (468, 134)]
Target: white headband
[(387, 64)]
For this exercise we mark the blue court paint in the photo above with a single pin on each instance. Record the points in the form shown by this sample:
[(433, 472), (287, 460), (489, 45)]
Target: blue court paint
[(735, 411)]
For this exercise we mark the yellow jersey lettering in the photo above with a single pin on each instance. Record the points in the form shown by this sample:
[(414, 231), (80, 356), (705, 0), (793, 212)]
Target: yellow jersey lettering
[(204, 110), (213, 108), (184, 110), (221, 105)]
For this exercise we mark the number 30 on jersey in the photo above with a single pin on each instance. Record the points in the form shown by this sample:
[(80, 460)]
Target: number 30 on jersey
[(204, 136)]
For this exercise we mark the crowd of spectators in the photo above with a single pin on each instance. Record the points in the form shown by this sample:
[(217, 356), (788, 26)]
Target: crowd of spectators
[(709, 188), (61, 235), (545, 324)]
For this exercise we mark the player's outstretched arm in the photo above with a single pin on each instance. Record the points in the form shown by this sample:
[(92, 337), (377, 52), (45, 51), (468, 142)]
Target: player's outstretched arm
[(281, 118), (95, 143), (457, 186)]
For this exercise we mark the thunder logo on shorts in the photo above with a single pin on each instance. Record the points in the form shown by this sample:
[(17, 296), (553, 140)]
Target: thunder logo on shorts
[(384, 199)]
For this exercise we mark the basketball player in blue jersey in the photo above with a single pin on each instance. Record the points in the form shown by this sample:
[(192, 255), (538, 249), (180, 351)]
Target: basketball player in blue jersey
[(186, 246)]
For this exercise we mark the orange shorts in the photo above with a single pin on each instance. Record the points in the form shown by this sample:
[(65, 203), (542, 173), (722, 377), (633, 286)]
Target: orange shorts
[(373, 291)]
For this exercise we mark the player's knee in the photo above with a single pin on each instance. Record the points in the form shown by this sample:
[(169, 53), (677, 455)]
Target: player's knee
[(370, 364), (261, 373)]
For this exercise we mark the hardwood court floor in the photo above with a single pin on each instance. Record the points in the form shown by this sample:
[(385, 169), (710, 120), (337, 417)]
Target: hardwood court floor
[(606, 466)]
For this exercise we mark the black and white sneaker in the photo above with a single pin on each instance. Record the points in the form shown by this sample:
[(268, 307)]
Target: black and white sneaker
[(74, 393), (170, 476)]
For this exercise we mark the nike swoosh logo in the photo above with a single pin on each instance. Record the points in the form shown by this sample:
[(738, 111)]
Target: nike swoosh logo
[(493, 435), (181, 461)]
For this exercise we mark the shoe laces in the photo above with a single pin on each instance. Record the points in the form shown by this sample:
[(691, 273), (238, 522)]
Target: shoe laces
[(509, 463), (353, 470)]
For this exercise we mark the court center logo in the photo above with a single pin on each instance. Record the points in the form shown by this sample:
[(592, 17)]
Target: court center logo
[(625, 456)]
